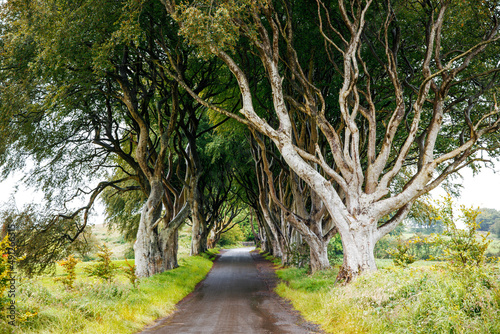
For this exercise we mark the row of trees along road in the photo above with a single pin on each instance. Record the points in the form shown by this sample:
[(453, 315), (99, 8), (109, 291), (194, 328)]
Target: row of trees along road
[(349, 110)]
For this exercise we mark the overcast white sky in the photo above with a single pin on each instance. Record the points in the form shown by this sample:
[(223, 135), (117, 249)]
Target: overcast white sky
[(26, 195), (482, 190)]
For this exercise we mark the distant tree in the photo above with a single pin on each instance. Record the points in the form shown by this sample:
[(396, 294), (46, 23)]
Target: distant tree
[(495, 229), (69, 268), (487, 218)]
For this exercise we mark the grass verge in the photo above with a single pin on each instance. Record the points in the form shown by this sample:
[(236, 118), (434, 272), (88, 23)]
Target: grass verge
[(94, 307), (419, 299)]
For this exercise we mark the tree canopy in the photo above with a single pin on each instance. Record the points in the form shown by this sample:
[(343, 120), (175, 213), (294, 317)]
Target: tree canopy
[(347, 112)]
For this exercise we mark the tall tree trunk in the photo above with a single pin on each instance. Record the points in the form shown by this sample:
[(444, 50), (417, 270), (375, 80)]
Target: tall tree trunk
[(359, 246), (199, 234), (156, 245), (274, 234), (255, 235), (147, 248), (266, 238), (318, 247), (170, 248), (170, 235), (319, 255)]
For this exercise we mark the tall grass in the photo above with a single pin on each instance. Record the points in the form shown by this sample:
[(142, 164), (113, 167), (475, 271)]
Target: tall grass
[(395, 300), (94, 307)]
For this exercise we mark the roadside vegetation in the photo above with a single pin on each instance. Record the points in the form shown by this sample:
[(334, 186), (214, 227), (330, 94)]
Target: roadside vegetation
[(416, 299), (455, 288), (96, 307), (103, 296)]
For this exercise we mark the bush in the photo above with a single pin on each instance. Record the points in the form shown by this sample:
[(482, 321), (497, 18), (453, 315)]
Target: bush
[(422, 248), (246, 227), (129, 271), (400, 300), (419, 247), (383, 245), (130, 253), (402, 255), (104, 269), (5, 274), (461, 248), (495, 229), (69, 265)]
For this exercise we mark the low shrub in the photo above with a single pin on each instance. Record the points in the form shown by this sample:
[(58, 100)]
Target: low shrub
[(104, 269), (461, 248), (69, 267), (5, 271), (383, 245), (129, 271), (231, 237), (401, 255)]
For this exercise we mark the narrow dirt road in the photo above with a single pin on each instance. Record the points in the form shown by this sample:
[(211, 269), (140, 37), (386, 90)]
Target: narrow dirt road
[(236, 297)]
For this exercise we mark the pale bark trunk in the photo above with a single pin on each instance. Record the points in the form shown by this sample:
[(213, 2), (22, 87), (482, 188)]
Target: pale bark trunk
[(275, 241), (319, 256), (147, 248), (358, 245), (285, 256), (318, 248), (198, 236), (214, 240), (255, 235), (155, 251), (170, 248), (266, 238), (274, 235)]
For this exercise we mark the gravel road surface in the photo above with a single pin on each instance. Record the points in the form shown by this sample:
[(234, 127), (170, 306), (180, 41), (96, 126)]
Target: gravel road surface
[(236, 297)]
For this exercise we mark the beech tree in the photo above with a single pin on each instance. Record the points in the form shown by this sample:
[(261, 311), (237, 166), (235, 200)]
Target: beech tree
[(83, 95), (396, 86)]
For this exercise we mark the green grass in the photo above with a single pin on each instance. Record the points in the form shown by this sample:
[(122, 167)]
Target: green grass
[(211, 253), (420, 299), (276, 261), (94, 307), (238, 244)]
